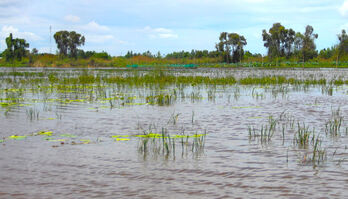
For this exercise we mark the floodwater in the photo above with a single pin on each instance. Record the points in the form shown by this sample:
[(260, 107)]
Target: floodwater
[(81, 159)]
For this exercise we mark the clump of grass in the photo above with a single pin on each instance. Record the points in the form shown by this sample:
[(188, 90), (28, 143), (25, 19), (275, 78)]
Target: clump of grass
[(302, 136), (305, 138), (164, 145), (174, 118), (32, 114), (161, 99), (265, 133), (318, 154), (333, 126)]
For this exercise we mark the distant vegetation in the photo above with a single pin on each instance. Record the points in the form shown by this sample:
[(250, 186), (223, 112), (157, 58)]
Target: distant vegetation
[(16, 49), (67, 43), (285, 48)]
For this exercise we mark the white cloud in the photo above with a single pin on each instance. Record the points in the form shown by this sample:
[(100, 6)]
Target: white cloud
[(344, 8), (167, 35), (6, 30), (162, 30), (162, 33), (72, 18), (95, 27), (103, 39)]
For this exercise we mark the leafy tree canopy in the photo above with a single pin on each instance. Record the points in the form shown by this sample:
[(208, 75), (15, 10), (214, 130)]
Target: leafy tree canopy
[(16, 48), (230, 46), (67, 42)]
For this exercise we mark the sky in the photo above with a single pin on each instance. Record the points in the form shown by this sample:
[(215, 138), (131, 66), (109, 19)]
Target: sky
[(118, 26)]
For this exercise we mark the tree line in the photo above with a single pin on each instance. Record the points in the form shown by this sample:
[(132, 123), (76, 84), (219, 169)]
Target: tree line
[(281, 43)]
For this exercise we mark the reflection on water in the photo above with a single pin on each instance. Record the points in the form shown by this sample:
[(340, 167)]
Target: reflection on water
[(188, 141)]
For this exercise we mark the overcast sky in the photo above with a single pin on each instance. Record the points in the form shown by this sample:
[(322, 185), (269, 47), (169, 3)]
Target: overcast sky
[(117, 26)]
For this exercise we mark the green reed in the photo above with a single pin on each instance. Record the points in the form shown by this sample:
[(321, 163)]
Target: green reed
[(333, 126)]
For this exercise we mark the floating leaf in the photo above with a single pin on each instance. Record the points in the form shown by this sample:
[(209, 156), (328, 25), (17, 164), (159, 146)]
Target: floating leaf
[(118, 136), (197, 135), (17, 137), (46, 133), (180, 136), (68, 135), (150, 135), (1, 141), (154, 135), (85, 141), (5, 104), (122, 139), (104, 107)]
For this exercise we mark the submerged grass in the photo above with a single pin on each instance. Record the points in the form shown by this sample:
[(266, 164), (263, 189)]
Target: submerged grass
[(333, 126), (265, 133), (118, 89), (305, 139), (164, 144)]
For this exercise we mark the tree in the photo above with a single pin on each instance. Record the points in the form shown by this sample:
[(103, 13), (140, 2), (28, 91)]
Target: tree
[(308, 46), (62, 40), (343, 45), (289, 42), (159, 56), (231, 46), (75, 40), (223, 48), (328, 53), (34, 51), (237, 42), (279, 41), (67, 42), (298, 45), (16, 48)]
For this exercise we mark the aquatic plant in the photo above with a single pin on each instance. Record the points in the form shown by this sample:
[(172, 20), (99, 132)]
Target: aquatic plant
[(265, 133), (164, 144), (32, 114), (302, 136), (333, 126)]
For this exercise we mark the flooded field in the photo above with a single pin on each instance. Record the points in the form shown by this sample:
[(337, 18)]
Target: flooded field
[(200, 133)]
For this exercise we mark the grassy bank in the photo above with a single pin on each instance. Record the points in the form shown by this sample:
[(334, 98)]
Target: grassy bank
[(49, 60)]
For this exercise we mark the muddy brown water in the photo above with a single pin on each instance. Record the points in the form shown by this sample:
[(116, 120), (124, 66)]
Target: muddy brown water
[(231, 165)]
